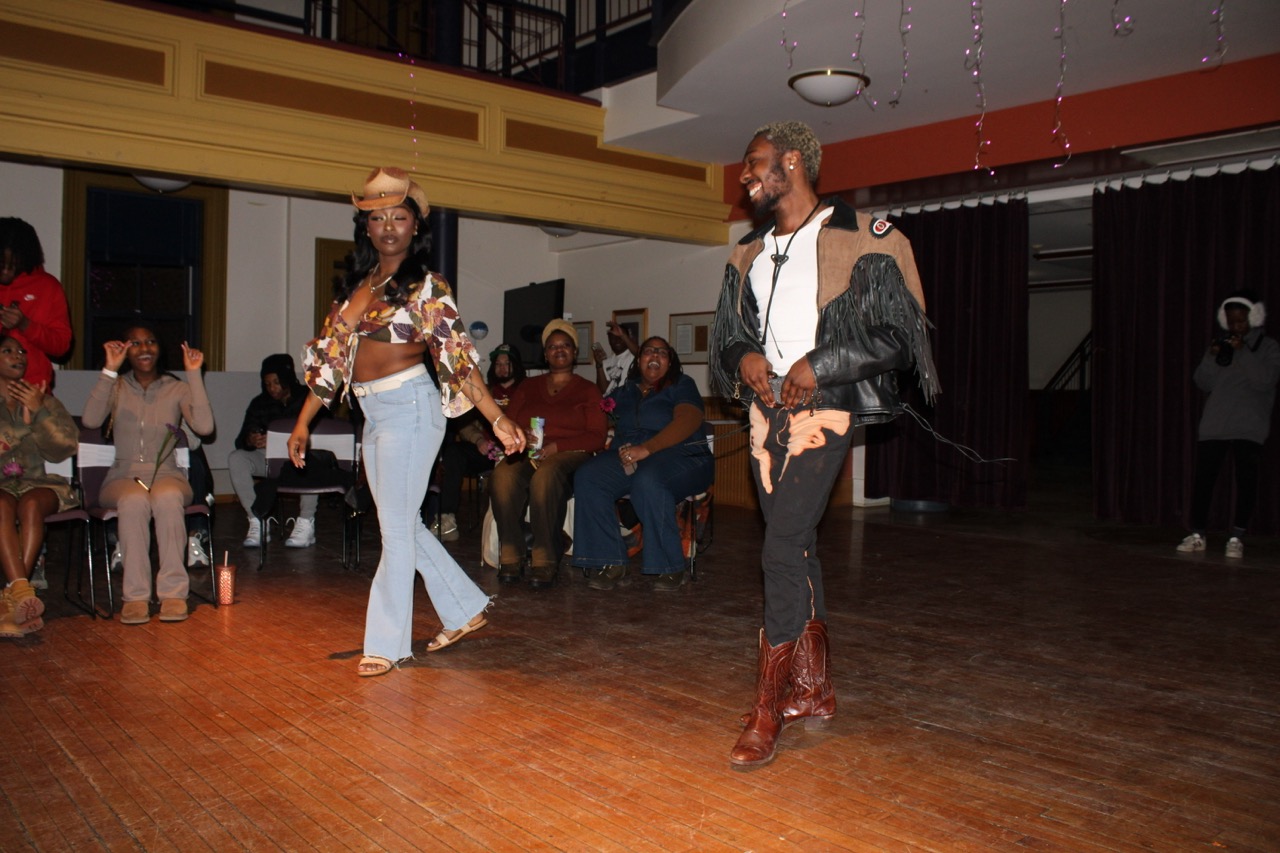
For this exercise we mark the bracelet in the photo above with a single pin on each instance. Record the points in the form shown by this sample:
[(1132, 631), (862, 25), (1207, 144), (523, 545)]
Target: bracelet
[(495, 421), (110, 374)]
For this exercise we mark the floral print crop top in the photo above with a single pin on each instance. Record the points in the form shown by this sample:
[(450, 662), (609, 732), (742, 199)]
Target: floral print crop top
[(430, 315)]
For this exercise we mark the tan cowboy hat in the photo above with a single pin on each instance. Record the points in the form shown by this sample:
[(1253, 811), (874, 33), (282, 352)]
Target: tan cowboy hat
[(388, 187)]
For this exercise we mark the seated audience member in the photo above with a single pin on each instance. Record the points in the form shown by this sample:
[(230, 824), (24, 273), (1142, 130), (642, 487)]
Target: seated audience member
[(33, 427), (476, 448), (612, 371), (282, 397), (144, 407), (33, 306), (659, 455), (541, 481)]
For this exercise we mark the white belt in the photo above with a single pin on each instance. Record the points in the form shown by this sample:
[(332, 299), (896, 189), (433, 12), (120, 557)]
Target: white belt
[(388, 383)]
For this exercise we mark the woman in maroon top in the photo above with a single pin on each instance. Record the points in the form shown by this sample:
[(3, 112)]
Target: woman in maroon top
[(542, 481)]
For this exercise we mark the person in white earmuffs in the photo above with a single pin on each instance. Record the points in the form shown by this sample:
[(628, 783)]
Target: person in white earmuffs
[(1238, 372)]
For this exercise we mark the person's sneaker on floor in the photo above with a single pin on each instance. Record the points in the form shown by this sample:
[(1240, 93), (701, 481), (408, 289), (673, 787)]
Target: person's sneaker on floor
[(447, 524), (117, 559), (303, 535), (196, 555), (1194, 542), (1235, 548), (253, 539)]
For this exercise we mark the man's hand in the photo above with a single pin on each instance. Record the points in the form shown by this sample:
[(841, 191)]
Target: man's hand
[(800, 385), (754, 370)]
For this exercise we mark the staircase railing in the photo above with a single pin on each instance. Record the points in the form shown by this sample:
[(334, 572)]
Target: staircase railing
[(1075, 370)]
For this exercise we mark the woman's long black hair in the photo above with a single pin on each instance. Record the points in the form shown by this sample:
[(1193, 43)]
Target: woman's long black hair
[(365, 259)]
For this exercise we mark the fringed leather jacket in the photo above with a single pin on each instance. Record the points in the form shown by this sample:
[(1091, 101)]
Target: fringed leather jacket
[(871, 321)]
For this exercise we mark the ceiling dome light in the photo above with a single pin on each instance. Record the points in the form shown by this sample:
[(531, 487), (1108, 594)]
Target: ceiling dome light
[(829, 87), (162, 185)]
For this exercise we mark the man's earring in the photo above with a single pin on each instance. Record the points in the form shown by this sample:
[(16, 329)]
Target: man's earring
[(792, 167)]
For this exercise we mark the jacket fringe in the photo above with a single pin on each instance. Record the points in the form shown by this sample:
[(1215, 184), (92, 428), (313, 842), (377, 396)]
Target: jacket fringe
[(849, 315)]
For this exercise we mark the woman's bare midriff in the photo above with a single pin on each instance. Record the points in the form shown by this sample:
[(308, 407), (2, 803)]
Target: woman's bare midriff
[(376, 359)]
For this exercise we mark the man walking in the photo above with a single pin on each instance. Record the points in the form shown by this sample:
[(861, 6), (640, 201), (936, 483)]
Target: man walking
[(820, 309)]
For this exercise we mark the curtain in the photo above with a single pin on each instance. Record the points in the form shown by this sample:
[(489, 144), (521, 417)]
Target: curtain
[(973, 264), (1165, 256)]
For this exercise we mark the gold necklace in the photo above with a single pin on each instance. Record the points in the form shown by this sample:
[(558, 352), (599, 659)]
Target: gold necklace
[(374, 288)]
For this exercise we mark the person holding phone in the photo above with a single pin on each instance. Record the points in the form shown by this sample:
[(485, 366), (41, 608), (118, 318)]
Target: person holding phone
[(612, 370)]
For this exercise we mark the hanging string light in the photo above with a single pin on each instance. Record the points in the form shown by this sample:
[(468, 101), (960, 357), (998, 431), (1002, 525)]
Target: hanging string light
[(904, 27), (1059, 135), (1218, 15), (413, 107), (860, 15), (1121, 24), (973, 64), (789, 48)]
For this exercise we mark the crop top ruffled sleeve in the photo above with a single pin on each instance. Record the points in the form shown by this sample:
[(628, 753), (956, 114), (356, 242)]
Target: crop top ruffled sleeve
[(430, 315)]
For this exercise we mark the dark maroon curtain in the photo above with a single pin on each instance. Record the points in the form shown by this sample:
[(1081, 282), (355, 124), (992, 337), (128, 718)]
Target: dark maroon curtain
[(1165, 256), (973, 263)]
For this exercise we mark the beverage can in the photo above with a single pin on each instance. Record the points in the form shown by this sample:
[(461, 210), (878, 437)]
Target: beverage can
[(536, 426)]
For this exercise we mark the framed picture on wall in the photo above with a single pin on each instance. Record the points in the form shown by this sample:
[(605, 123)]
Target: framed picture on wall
[(690, 335), (586, 337), (635, 321)]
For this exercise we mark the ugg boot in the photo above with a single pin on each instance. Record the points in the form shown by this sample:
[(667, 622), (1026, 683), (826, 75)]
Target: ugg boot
[(812, 697), (27, 606), (8, 628), (759, 740)]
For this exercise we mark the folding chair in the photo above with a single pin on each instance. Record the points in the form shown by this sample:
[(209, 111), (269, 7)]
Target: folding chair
[(67, 469), (341, 439), (95, 458)]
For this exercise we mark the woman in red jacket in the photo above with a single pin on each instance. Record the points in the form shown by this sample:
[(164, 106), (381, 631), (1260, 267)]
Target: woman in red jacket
[(33, 308)]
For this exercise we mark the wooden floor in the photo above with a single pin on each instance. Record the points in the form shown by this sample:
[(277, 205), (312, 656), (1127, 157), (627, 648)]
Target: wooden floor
[(1028, 680)]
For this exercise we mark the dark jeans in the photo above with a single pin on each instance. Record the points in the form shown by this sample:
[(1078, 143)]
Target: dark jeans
[(659, 482), (514, 485), (459, 459), (1210, 456), (796, 456)]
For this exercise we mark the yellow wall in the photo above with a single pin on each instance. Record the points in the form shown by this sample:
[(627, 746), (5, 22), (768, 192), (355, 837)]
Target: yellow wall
[(103, 84)]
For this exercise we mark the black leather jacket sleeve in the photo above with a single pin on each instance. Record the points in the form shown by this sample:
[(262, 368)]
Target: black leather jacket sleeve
[(847, 362)]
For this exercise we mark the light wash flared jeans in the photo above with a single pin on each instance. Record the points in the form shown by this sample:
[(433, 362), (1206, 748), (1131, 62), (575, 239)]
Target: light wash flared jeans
[(403, 431)]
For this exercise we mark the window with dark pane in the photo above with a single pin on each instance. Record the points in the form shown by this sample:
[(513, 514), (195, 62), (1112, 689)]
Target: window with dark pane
[(143, 261)]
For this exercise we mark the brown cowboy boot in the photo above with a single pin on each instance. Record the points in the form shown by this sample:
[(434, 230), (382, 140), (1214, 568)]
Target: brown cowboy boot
[(759, 740), (812, 699)]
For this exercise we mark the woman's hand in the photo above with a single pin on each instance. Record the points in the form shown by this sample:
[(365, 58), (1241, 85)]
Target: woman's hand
[(297, 444), (629, 454), (192, 359), (115, 351), (510, 434), (31, 397)]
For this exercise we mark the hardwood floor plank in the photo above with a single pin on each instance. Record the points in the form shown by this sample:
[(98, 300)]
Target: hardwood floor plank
[(1001, 685)]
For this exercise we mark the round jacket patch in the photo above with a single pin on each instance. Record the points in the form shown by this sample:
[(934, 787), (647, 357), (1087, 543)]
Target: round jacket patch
[(881, 227)]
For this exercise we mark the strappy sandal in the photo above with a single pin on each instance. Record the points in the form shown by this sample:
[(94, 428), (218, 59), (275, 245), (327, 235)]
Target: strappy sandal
[(381, 666), (445, 639)]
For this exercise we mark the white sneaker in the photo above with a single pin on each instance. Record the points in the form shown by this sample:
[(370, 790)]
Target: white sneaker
[(447, 524), (253, 539), (196, 555), (1194, 542), (1235, 548), (303, 535), (117, 560)]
